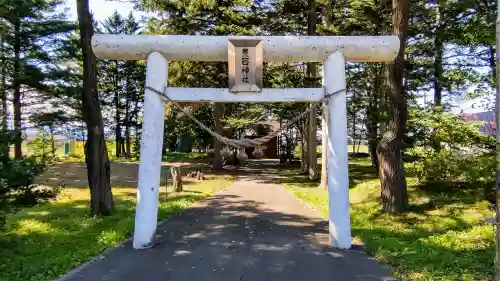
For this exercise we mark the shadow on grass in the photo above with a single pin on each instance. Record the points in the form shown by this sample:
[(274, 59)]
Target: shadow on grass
[(56, 237), (424, 258), (230, 232), (438, 242), (458, 191), (444, 235), (228, 237), (359, 172), (416, 217)]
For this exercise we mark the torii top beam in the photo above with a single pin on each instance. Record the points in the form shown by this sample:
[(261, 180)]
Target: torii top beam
[(276, 48)]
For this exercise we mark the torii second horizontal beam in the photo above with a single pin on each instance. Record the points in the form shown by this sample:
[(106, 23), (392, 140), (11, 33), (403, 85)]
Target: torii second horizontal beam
[(223, 95), (276, 48)]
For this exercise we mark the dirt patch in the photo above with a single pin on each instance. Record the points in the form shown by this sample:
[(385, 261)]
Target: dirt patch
[(73, 174)]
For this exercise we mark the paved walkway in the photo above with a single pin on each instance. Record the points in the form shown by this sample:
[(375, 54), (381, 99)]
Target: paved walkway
[(254, 230)]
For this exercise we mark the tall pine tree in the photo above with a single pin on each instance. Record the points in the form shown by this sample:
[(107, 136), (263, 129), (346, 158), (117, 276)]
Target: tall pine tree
[(31, 35), (212, 17), (96, 154), (394, 195), (112, 80)]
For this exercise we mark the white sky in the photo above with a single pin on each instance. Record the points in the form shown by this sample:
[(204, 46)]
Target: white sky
[(103, 8)]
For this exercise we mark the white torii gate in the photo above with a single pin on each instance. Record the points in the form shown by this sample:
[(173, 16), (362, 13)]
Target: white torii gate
[(333, 51)]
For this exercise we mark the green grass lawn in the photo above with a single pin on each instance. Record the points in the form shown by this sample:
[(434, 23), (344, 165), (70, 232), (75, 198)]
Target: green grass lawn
[(358, 148), (443, 237), (184, 157), (350, 149), (45, 241), (168, 157)]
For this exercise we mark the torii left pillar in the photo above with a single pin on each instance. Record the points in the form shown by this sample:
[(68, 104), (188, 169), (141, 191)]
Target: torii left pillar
[(151, 152)]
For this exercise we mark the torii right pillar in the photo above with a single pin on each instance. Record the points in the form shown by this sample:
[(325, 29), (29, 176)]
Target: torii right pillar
[(335, 113)]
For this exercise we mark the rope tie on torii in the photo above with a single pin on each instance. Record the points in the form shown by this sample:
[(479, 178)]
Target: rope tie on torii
[(241, 143)]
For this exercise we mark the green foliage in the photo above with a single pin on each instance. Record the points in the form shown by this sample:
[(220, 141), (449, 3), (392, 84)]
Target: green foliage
[(297, 152), (17, 177), (225, 18), (246, 118), (33, 33), (20, 173), (184, 157), (439, 52), (121, 84), (480, 169), (42, 142), (438, 166), (50, 71), (443, 237), (451, 166), (464, 156), (49, 124), (427, 127), (29, 255)]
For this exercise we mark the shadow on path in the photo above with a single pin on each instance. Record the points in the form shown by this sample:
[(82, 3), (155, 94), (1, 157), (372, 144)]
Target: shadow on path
[(263, 171), (251, 231)]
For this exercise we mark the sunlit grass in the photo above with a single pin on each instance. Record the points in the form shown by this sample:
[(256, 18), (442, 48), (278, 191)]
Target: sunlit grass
[(444, 237), (167, 157), (183, 157), (358, 148), (45, 241), (351, 148)]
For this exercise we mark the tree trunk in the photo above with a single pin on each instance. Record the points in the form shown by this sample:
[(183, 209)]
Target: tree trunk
[(176, 179), (497, 132), (312, 19), (52, 142), (122, 146), (127, 141), (373, 115), (16, 83), (302, 153), (96, 154), (492, 62), (324, 152), (3, 90), (313, 144), (118, 129), (438, 58), (137, 139), (126, 121), (382, 102), (372, 140), (353, 136), (43, 146), (218, 112), (394, 195), (438, 70), (279, 140), (305, 145), (3, 96)]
